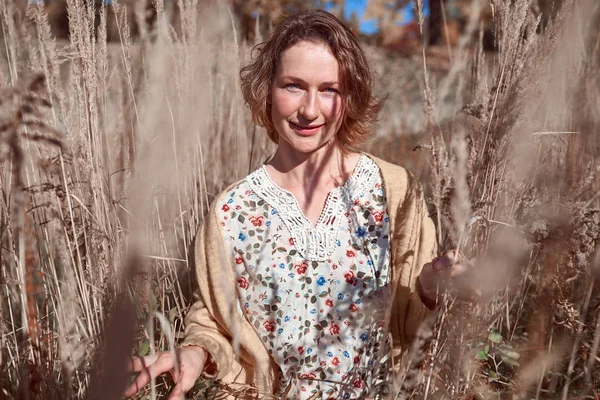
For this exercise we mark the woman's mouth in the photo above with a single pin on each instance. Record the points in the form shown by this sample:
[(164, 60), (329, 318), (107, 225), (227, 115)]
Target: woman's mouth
[(306, 130)]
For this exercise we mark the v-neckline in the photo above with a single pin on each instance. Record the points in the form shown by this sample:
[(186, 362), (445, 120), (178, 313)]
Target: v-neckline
[(315, 242), (328, 199)]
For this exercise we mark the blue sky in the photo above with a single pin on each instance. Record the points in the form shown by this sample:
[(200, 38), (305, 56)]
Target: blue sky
[(370, 26)]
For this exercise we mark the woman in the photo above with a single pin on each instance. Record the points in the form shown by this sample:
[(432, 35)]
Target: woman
[(313, 268)]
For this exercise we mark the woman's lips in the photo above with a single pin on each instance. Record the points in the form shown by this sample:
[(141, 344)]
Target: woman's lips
[(304, 130)]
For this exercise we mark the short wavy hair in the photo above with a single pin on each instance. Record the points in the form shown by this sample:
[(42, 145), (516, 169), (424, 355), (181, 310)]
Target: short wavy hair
[(360, 106)]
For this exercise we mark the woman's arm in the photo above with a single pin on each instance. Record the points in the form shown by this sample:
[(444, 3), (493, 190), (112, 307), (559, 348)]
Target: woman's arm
[(203, 324), (414, 245)]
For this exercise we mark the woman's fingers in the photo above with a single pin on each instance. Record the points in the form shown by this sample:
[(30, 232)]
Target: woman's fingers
[(163, 364), (139, 363), (186, 382)]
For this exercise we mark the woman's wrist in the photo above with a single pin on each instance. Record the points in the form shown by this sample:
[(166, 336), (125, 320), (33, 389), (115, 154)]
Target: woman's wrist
[(428, 297)]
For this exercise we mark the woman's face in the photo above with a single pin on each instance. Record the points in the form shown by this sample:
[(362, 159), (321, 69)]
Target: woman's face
[(306, 106)]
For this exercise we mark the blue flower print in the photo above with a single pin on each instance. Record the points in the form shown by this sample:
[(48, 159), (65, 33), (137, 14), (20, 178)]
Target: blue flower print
[(268, 223), (340, 296), (308, 351), (364, 336), (329, 354), (287, 318), (273, 211), (241, 236), (361, 232), (346, 354), (369, 262), (229, 201), (321, 281), (347, 396), (386, 219), (313, 311), (280, 330), (339, 243), (358, 301), (282, 266), (291, 275)]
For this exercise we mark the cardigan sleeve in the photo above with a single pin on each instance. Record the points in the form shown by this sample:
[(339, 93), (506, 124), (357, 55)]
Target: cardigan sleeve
[(418, 246), (203, 325)]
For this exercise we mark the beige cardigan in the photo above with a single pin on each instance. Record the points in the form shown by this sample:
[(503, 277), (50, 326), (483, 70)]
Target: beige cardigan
[(215, 323)]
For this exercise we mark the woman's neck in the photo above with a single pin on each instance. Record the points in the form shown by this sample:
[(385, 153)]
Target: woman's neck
[(329, 165)]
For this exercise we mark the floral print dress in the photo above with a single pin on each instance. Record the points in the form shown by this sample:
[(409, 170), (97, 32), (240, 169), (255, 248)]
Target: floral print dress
[(316, 294)]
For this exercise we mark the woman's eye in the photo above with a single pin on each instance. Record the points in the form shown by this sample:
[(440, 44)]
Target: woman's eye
[(292, 86), (331, 90)]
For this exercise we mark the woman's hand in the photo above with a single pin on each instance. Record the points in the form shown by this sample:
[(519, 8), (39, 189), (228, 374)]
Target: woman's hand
[(442, 273), (191, 363)]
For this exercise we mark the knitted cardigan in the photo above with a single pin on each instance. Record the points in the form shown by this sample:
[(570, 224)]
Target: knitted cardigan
[(240, 357)]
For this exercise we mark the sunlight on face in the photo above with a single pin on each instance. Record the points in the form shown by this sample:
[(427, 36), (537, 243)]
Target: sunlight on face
[(305, 98)]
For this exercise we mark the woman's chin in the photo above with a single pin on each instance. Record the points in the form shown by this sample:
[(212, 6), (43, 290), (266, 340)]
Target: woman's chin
[(305, 145)]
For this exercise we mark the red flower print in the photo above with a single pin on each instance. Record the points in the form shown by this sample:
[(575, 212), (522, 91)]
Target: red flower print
[(356, 202), (329, 303), (300, 269), (350, 253), (300, 350), (347, 323), (378, 215), (310, 375), (353, 307), (243, 282), (257, 220), (239, 260), (291, 241), (323, 363), (238, 207), (297, 295), (356, 360), (335, 361), (248, 192), (269, 326), (334, 266), (350, 278), (334, 329), (358, 383), (225, 207)]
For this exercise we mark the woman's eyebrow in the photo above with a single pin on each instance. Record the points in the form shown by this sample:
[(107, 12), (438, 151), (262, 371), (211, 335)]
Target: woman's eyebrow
[(295, 79)]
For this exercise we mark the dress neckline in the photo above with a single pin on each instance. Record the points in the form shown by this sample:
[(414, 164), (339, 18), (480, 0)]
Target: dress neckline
[(315, 242), (333, 193)]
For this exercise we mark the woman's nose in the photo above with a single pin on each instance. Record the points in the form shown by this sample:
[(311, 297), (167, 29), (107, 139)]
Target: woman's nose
[(310, 106)]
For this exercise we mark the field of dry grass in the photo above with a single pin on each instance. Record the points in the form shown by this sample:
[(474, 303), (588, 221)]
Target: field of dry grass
[(110, 154)]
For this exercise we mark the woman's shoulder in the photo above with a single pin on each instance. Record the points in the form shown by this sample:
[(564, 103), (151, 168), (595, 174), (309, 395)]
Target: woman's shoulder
[(237, 193), (394, 175)]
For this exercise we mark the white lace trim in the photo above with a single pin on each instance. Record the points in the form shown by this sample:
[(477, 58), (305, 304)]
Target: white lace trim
[(315, 243)]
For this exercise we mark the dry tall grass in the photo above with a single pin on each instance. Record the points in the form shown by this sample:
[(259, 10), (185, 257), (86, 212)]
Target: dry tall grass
[(112, 152)]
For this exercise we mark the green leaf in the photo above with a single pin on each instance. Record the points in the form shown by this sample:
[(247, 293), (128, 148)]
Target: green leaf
[(144, 348), (495, 337), (482, 355)]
